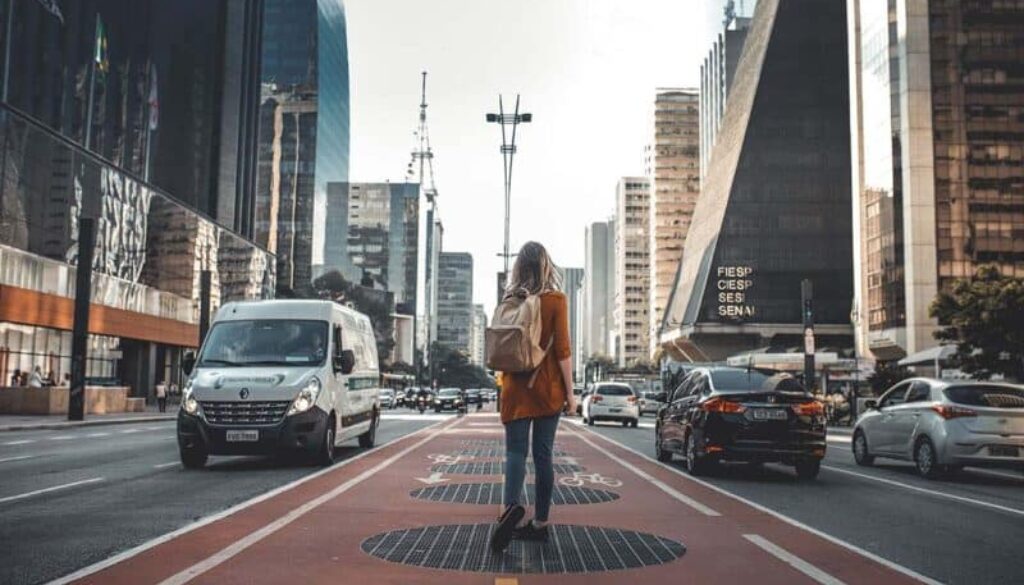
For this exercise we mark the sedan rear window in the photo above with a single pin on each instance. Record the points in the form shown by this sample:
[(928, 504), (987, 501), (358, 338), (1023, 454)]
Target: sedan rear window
[(986, 395), (732, 380), (615, 391)]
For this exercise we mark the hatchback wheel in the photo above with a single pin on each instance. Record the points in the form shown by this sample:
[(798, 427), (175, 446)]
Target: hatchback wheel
[(625, 423), (860, 450), (925, 459)]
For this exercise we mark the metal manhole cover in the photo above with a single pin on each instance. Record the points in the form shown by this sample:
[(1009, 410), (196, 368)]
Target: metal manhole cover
[(499, 453), (571, 549), (491, 494), (495, 468)]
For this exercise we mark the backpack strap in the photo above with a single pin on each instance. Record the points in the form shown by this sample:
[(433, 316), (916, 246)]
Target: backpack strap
[(533, 376)]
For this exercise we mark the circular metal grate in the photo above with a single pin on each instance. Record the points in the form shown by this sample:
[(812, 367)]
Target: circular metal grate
[(570, 549), (478, 452), (495, 468), (491, 494)]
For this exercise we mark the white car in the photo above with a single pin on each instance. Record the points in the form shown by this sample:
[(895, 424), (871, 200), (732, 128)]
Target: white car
[(280, 375), (611, 401)]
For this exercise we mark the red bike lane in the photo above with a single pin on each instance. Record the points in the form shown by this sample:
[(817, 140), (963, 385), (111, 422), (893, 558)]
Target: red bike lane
[(419, 510)]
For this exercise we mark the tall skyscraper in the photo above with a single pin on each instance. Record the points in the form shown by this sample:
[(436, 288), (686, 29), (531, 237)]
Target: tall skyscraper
[(774, 207), (477, 346), (304, 130), (632, 269), (572, 282), (455, 301), (674, 176), (716, 75), (373, 232), (598, 290), (938, 158)]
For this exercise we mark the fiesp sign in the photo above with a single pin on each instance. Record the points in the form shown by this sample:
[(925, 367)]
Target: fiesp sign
[(733, 285)]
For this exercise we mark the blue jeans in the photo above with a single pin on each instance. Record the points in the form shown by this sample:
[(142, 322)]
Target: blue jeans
[(517, 440)]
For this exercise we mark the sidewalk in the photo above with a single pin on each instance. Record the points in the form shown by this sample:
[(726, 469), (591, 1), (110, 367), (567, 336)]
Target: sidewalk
[(419, 510), (18, 422)]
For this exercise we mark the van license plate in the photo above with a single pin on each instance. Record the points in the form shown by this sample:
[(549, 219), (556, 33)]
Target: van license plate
[(769, 414), (1003, 450), (615, 409), (242, 436)]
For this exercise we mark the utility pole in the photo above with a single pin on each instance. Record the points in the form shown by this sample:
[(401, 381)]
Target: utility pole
[(508, 152), (807, 302), (80, 327)]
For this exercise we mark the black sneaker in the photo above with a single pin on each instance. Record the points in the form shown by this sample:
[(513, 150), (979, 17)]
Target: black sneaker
[(506, 527), (531, 532)]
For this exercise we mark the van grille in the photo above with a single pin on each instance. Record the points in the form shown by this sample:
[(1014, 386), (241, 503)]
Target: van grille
[(245, 413)]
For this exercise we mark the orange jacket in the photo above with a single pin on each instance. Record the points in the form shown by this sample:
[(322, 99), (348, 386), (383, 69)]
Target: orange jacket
[(549, 392)]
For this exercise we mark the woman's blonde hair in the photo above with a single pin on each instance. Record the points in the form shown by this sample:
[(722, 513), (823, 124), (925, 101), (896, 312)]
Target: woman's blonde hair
[(533, 272)]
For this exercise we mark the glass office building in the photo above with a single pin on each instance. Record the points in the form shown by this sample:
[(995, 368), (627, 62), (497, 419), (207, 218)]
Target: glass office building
[(455, 301), (938, 151), (775, 205), (97, 97), (304, 132)]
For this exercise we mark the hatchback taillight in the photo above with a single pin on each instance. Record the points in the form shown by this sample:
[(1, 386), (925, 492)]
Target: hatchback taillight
[(812, 408), (719, 405), (631, 399), (947, 412), (596, 398)]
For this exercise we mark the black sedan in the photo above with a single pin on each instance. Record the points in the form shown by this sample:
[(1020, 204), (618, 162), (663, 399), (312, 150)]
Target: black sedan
[(449, 399), (473, 397), (735, 414)]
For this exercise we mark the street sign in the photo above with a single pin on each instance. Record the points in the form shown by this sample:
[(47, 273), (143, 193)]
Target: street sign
[(809, 341)]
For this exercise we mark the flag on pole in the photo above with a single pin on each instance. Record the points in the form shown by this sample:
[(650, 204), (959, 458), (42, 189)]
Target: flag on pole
[(154, 102), (100, 54), (53, 8)]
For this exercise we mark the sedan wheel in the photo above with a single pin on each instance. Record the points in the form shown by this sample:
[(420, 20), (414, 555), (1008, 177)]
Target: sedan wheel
[(695, 464), (663, 455), (860, 450), (925, 459)]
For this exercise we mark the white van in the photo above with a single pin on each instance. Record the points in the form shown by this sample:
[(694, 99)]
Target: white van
[(280, 375)]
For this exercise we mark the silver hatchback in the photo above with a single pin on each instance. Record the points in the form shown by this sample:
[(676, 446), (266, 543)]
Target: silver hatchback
[(944, 425)]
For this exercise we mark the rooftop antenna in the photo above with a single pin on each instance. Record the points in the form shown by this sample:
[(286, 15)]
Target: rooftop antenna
[(424, 155)]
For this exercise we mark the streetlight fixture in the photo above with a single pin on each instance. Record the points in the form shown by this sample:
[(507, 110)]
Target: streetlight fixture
[(508, 151)]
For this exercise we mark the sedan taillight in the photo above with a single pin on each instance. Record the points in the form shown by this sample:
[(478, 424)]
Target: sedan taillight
[(719, 405), (812, 408), (947, 412)]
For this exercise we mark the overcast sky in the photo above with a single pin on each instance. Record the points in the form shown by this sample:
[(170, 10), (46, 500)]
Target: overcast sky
[(587, 71)]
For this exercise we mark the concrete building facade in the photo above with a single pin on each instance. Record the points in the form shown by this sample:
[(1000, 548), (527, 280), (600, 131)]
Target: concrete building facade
[(632, 269), (716, 75), (477, 348), (598, 306), (674, 182), (572, 283)]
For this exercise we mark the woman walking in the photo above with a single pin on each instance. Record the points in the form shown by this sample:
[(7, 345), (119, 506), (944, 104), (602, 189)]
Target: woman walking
[(537, 405)]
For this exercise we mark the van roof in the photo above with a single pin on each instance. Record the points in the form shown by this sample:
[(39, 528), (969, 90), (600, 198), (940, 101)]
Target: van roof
[(313, 309)]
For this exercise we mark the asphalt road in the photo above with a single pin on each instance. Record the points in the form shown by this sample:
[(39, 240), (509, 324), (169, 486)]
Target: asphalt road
[(73, 497), (966, 529)]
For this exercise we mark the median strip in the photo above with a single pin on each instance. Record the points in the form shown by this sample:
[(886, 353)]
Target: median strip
[(50, 489)]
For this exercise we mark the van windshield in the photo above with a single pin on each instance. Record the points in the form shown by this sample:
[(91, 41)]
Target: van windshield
[(266, 342)]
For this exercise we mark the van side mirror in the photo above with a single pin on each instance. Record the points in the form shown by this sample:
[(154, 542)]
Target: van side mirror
[(871, 404), (345, 362), (188, 362)]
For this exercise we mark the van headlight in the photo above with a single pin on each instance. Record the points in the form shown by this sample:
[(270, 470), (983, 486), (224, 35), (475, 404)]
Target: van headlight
[(306, 398), (188, 399)]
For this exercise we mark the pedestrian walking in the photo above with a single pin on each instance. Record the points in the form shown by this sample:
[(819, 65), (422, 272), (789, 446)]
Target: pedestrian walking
[(161, 396), (534, 399)]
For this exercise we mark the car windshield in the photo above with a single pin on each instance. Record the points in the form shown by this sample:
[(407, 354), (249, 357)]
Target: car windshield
[(448, 392), (265, 342), (990, 395), (615, 391), (387, 392)]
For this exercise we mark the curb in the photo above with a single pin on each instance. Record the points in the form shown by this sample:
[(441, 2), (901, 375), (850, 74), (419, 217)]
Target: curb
[(44, 426)]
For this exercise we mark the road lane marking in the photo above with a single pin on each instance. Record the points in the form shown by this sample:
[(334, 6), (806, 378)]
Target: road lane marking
[(168, 464), (674, 493), (62, 438), (21, 442), (18, 458), (791, 521), (428, 417), (252, 538), (793, 560), (91, 435), (846, 439), (49, 489), (128, 431), (929, 491), (137, 550)]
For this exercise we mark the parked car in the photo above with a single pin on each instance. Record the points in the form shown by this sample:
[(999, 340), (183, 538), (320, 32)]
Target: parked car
[(613, 401), (650, 403), (448, 399), (943, 426), (387, 398), (735, 414), (280, 375)]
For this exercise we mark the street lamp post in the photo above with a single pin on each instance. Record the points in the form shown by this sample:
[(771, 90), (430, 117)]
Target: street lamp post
[(508, 151)]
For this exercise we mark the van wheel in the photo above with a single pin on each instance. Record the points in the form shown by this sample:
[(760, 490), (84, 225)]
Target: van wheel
[(325, 457), (193, 458), (367, 439)]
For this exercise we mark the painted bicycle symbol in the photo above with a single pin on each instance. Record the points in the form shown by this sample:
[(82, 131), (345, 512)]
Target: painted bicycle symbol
[(578, 479), (447, 459)]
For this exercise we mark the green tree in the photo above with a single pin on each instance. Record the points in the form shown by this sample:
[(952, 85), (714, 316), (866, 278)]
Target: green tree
[(333, 285), (452, 369), (887, 375), (984, 316)]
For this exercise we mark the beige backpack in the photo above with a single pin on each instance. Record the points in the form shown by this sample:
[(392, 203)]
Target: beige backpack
[(513, 337)]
